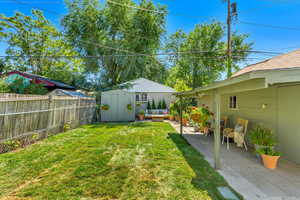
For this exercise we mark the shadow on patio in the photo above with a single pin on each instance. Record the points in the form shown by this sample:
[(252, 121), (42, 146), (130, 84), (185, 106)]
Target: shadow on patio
[(206, 177), (246, 174)]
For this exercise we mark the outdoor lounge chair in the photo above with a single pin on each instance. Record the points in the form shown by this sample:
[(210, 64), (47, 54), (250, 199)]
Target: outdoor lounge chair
[(238, 133)]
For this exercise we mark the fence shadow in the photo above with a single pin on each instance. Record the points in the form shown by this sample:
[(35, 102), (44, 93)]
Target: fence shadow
[(206, 177)]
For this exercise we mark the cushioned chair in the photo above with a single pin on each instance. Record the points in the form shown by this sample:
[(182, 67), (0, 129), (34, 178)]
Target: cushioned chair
[(239, 132)]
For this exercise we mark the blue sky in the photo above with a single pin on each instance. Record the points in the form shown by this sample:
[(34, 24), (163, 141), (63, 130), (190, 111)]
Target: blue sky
[(186, 14)]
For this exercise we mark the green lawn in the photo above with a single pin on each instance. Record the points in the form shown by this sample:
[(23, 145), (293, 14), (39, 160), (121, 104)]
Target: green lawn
[(109, 161)]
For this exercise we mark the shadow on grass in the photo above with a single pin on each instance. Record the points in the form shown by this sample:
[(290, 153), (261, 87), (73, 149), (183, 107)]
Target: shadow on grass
[(117, 124), (206, 178)]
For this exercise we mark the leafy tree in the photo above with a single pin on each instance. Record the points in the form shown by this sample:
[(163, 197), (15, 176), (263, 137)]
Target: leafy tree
[(205, 59), (153, 106), (107, 30), (181, 86), (36, 46)]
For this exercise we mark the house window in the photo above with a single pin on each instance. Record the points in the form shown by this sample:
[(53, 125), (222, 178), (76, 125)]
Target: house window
[(141, 97), (233, 102), (144, 97)]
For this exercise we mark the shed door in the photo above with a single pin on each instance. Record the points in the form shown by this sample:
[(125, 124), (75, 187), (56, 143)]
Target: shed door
[(118, 111), (289, 122)]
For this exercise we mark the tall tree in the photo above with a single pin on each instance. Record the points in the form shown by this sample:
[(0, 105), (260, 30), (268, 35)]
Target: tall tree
[(106, 31), (200, 55), (35, 45)]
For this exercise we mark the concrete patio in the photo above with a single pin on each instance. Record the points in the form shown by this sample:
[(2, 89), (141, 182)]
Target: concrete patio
[(244, 172)]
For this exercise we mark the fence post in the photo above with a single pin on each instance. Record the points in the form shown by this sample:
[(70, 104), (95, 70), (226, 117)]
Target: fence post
[(78, 108), (50, 113)]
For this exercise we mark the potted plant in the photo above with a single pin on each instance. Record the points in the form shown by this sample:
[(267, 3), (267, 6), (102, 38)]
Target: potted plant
[(269, 156), (105, 107), (171, 117), (185, 118), (196, 114), (262, 138), (129, 107), (205, 117), (195, 125), (141, 115)]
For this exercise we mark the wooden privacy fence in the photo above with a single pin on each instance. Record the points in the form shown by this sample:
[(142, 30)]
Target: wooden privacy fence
[(23, 115)]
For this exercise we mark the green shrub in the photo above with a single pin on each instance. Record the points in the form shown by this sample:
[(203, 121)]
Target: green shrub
[(67, 126), (159, 106), (17, 86), (262, 136), (34, 88), (148, 106), (164, 105), (268, 151), (4, 87), (153, 105)]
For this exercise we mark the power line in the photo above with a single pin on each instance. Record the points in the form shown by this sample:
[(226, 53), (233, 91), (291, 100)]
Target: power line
[(33, 2), (212, 53), (270, 26), (155, 11), (139, 8)]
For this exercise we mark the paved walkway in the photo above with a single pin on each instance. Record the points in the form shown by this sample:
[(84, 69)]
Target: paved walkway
[(244, 172)]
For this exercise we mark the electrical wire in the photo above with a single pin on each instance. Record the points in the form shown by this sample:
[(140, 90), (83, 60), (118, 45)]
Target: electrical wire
[(270, 26)]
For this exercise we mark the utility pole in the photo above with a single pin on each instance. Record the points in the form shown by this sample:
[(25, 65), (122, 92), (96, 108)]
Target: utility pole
[(228, 39), (231, 12)]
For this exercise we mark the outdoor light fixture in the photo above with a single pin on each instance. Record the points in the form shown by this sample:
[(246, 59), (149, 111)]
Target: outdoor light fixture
[(264, 106)]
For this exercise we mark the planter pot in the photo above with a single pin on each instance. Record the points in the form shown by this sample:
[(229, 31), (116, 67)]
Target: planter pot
[(141, 117), (184, 122), (171, 118), (206, 130), (270, 162)]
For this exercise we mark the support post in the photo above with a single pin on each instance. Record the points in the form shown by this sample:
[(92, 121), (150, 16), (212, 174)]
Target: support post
[(180, 114), (217, 134)]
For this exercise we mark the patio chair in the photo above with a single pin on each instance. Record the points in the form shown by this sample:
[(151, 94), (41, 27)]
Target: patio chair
[(224, 122), (238, 133)]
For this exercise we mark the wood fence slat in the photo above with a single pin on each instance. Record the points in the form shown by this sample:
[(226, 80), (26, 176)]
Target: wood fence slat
[(21, 115)]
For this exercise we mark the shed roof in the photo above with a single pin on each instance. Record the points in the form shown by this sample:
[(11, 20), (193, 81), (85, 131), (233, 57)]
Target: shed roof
[(145, 85), (284, 61), (70, 93)]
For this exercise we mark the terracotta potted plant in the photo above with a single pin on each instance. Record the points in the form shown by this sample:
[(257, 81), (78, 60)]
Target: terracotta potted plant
[(171, 117), (141, 115), (269, 157), (205, 117), (261, 138), (185, 118)]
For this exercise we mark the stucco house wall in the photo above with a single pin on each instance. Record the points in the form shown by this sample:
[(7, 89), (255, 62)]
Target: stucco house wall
[(280, 113)]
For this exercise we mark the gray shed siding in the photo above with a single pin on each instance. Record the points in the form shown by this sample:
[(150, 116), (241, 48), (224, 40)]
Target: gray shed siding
[(118, 101)]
